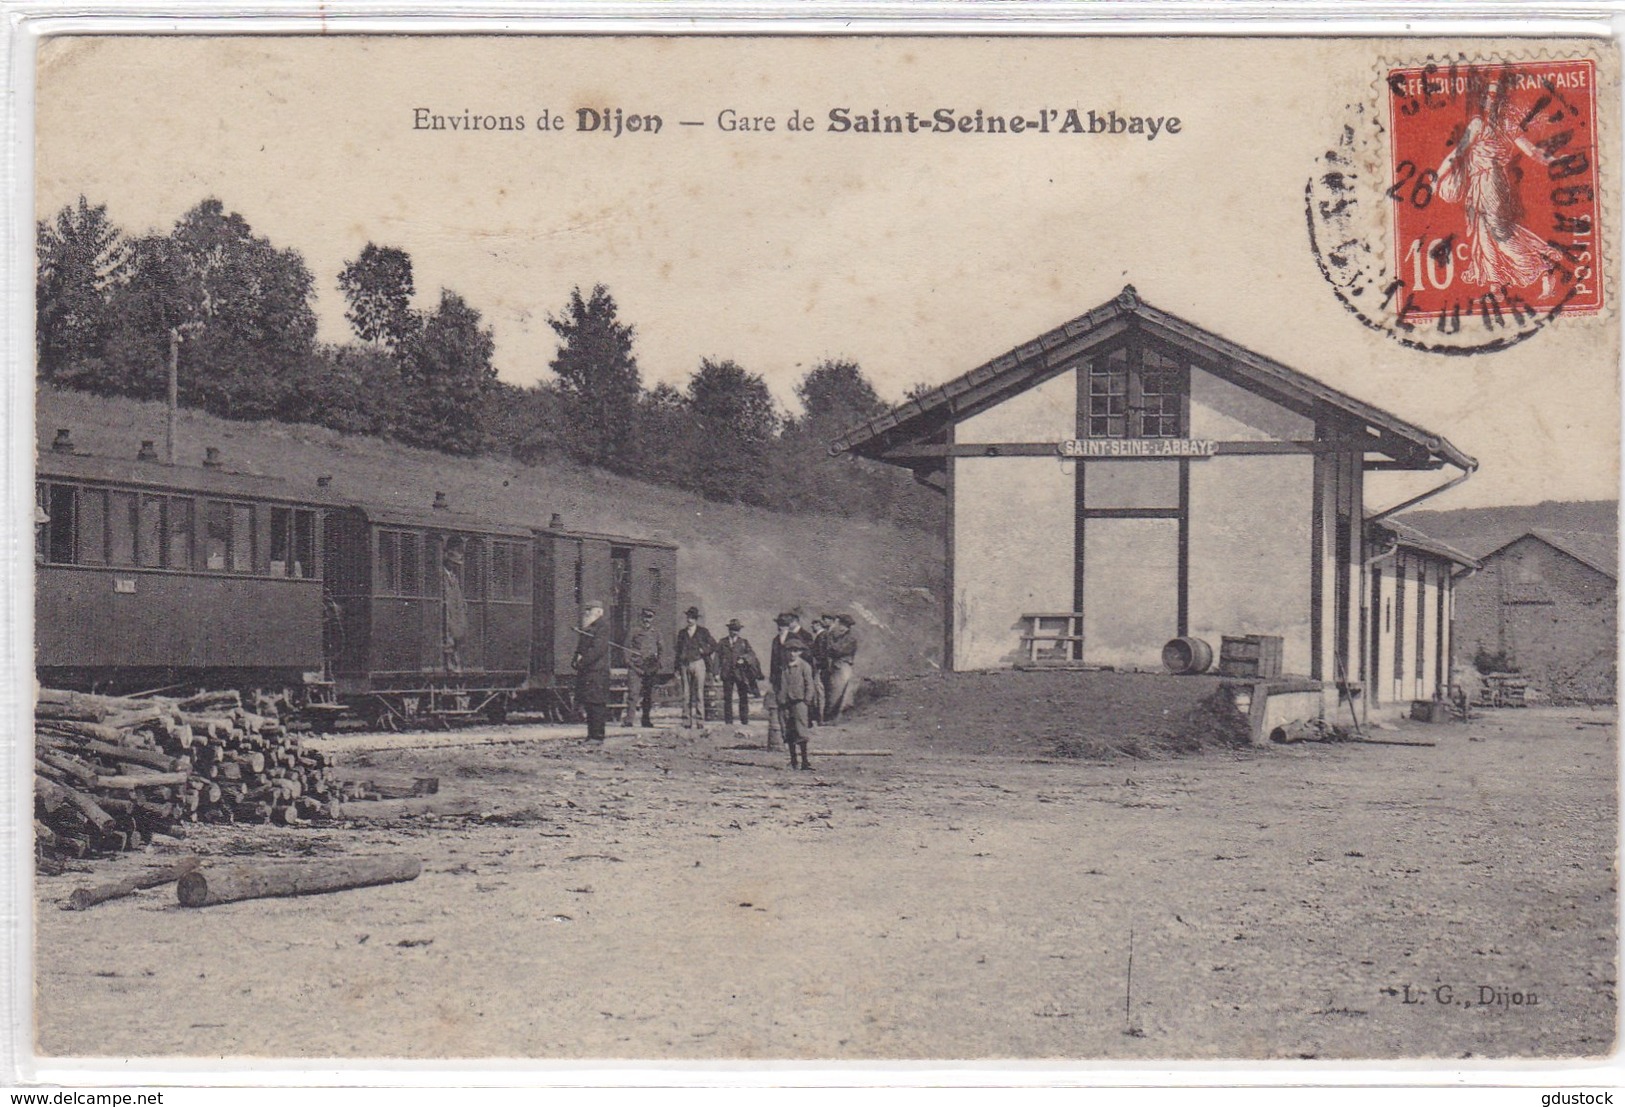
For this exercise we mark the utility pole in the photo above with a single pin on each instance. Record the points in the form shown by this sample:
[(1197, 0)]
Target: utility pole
[(174, 393)]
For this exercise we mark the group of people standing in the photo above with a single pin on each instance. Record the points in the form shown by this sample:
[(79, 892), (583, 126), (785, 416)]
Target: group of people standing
[(810, 673)]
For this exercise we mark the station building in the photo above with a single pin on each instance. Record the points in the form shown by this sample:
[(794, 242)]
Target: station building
[(1128, 478)]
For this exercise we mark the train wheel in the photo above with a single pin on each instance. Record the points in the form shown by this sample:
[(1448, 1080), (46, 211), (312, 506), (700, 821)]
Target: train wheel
[(497, 710)]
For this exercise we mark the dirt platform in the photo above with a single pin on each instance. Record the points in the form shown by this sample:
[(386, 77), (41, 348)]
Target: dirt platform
[(674, 895)]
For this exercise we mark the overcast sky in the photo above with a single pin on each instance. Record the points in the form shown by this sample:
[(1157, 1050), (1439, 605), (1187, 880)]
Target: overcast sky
[(920, 256)]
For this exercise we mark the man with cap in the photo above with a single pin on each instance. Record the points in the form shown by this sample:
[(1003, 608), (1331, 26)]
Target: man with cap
[(454, 607), (740, 671), (789, 624), (841, 648), (591, 663), (797, 693), (694, 649), (644, 656)]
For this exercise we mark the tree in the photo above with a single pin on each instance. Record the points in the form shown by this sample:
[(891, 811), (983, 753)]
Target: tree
[(81, 259), (737, 420), (249, 290), (378, 287), (836, 396), (598, 376), (448, 370)]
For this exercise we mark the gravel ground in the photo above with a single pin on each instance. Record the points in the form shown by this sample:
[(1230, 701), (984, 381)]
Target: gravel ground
[(684, 895)]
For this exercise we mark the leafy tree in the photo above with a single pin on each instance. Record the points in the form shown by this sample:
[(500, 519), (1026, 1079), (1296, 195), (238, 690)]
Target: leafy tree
[(733, 412), (836, 395), (248, 290), (448, 371), (81, 260), (378, 288), (598, 376)]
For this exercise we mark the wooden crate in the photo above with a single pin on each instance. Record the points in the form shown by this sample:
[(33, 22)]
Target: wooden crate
[(1252, 655)]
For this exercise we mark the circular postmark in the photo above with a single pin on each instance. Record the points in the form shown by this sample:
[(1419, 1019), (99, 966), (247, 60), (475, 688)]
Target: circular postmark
[(1458, 211)]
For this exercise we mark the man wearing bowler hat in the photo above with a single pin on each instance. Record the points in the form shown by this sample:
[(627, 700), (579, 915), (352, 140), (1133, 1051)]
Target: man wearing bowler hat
[(644, 654), (740, 670), (694, 649), (591, 663)]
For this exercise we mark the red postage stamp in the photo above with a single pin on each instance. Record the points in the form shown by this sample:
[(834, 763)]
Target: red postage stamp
[(1495, 190)]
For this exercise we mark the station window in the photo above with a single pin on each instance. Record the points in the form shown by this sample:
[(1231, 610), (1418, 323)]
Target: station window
[(1136, 395)]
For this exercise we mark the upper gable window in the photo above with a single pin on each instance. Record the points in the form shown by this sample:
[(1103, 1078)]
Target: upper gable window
[(1137, 394)]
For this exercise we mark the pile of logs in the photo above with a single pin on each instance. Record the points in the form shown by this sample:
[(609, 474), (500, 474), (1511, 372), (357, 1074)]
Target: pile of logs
[(111, 771)]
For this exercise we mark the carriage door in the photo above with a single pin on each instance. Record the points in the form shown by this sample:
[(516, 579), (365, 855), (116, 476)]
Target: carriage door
[(620, 595)]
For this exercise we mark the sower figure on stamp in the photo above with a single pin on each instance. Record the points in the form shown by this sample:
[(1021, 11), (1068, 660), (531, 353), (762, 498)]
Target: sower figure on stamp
[(644, 654), (740, 671), (798, 693), (841, 650), (694, 649), (591, 663)]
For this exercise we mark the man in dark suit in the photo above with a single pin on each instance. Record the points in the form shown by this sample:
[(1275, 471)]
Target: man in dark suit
[(591, 663), (739, 669), (694, 649)]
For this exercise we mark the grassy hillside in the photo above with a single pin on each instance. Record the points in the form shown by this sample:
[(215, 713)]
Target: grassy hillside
[(1479, 530), (732, 561)]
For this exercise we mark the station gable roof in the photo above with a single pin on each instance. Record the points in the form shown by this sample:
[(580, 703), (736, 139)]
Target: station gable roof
[(1595, 551), (918, 419)]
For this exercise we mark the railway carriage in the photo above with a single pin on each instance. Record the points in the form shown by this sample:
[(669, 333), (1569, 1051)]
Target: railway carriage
[(151, 575)]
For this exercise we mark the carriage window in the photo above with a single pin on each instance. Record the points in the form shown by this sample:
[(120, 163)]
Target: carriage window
[(92, 545), (121, 528), (474, 569), (179, 522), (242, 538), (521, 571), (654, 586), (434, 568), (410, 566), (500, 582), (150, 537), (42, 521), (389, 572), (216, 535), (304, 545), (579, 569), (281, 526)]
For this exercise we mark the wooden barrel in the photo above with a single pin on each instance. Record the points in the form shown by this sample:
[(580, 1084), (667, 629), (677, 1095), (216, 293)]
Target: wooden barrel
[(1187, 656)]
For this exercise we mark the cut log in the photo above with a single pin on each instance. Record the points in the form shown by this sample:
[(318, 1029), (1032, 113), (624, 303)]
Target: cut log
[(211, 701), (93, 812), (398, 808), (81, 898), (70, 766), (141, 780), (392, 785), (218, 883)]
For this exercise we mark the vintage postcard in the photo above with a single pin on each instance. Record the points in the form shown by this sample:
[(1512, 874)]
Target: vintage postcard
[(842, 548)]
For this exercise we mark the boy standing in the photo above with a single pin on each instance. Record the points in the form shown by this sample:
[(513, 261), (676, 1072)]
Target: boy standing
[(797, 691)]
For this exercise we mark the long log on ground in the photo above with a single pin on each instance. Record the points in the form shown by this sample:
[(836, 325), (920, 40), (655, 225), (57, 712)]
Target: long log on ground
[(390, 785), (214, 884), (396, 808), (81, 898), (1391, 742), (813, 748)]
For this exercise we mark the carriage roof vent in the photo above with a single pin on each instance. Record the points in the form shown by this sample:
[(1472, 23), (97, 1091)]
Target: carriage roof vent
[(440, 501), (324, 480), (557, 522), (63, 443), (147, 452), (211, 457)]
